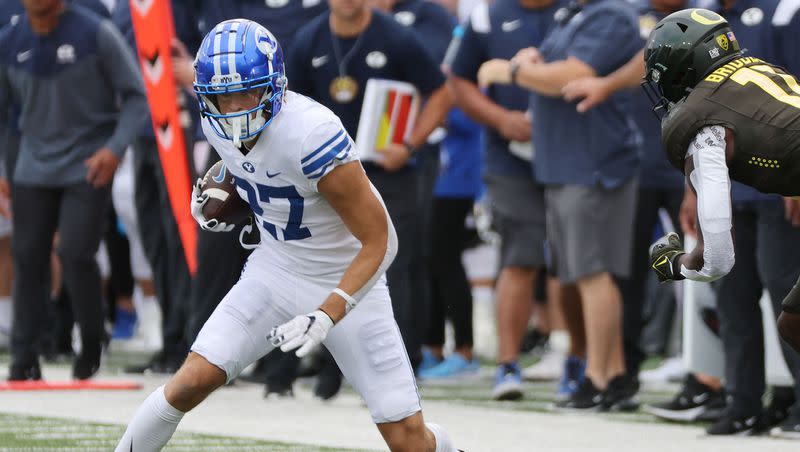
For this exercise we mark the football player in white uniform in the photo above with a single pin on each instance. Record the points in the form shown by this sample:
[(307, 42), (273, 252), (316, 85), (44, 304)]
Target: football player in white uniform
[(326, 241)]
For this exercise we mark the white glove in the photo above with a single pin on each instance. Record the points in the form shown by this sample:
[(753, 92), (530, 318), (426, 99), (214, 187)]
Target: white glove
[(304, 331), (197, 203)]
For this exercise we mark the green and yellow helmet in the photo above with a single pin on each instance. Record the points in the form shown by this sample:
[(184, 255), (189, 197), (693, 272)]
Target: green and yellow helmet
[(682, 49)]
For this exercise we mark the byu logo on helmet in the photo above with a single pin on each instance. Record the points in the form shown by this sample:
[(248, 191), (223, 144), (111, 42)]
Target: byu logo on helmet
[(236, 56), (247, 166)]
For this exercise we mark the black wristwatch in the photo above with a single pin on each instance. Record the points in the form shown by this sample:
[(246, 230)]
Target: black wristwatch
[(412, 151)]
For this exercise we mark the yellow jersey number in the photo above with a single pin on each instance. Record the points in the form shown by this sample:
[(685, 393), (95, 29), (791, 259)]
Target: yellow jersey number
[(757, 76)]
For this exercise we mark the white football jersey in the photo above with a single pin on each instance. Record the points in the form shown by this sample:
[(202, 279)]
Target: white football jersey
[(300, 231)]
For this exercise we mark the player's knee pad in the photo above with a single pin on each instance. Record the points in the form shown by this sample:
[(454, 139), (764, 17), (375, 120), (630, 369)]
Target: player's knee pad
[(385, 352)]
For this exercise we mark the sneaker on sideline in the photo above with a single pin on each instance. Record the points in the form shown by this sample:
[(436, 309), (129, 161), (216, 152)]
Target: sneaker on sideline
[(728, 425), (454, 366), (789, 428), (671, 370), (571, 377), (587, 398), (124, 324), (548, 368), (507, 382), (691, 403), (429, 360)]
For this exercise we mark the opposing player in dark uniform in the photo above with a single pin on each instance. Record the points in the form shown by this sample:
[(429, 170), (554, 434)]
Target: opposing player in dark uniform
[(728, 116)]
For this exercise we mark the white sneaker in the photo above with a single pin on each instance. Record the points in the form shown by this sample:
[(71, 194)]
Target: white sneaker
[(671, 370), (549, 367)]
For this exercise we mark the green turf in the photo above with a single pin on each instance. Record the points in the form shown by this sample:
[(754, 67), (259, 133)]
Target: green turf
[(25, 433)]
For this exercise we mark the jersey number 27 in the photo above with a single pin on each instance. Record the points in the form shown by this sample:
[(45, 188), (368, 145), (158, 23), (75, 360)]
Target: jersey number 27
[(263, 193)]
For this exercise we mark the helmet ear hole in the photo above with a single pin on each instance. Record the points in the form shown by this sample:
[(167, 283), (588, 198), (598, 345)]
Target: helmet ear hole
[(682, 26)]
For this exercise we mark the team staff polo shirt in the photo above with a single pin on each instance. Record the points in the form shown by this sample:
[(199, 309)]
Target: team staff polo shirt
[(385, 49), (499, 31), (78, 89), (281, 17), (432, 23), (655, 171), (599, 147)]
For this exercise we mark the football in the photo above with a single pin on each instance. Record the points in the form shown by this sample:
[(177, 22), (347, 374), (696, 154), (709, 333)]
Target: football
[(224, 203)]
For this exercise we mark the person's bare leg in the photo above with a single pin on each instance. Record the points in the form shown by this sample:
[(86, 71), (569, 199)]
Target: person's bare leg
[(570, 303), (514, 298), (602, 307)]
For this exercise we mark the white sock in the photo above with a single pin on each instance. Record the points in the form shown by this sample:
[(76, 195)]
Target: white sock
[(443, 443), (6, 315), (152, 426)]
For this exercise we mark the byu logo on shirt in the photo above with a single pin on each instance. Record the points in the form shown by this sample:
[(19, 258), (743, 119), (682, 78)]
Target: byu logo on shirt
[(249, 167), (406, 18), (752, 16), (65, 54), (376, 59)]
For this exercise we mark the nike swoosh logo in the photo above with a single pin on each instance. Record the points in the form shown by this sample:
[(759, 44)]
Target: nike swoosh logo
[(511, 25), (272, 175), (24, 56), (700, 399), (221, 176), (319, 61)]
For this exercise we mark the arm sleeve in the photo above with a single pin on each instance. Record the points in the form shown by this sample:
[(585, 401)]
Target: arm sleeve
[(710, 180), (327, 146), (120, 68), (605, 41), (473, 50)]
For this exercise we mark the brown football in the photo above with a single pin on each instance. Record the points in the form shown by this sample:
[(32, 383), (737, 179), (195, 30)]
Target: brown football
[(224, 202)]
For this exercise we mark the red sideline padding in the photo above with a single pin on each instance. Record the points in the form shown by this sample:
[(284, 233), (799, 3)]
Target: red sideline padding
[(71, 385)]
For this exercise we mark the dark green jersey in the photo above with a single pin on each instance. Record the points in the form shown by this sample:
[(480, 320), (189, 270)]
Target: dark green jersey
[(760, 103)]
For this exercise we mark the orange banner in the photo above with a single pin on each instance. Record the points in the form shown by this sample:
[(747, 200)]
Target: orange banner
[(154, 29)]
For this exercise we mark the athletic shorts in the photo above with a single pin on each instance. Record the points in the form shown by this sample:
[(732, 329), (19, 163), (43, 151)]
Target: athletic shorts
[(366, 344), (518, 216), (590, 229)]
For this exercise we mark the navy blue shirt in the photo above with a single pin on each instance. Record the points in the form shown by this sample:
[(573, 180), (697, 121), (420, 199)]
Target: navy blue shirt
[(599, 147), (430, 21), (385, 49), (283, 18), (751, 22), (499, 31), (787, 22), (655, 171)]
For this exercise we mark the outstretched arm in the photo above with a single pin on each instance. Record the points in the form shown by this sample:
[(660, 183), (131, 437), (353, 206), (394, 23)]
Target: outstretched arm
[(713, 256)]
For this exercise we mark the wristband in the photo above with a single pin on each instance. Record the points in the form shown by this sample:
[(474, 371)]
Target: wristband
[(514, 71), (350, 302)]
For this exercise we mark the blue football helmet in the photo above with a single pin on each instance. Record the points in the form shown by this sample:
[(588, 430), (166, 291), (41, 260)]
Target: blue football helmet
[(239, 55)]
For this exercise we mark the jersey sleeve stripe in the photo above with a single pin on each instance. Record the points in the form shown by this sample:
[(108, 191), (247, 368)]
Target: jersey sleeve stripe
[(321, 148), (324, 170), (327, 157)]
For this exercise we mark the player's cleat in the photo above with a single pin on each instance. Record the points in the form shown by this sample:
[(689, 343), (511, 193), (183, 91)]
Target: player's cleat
[(745, 426), (586, 398), (454, 366), (24, 372), (507, 382), (571, 377), (693, 402)]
